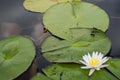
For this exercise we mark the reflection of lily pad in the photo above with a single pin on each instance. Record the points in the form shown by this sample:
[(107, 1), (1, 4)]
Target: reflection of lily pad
[(60, 18), (17, 54), (74, 72), (72, 50), (41, 5), (114, 67)]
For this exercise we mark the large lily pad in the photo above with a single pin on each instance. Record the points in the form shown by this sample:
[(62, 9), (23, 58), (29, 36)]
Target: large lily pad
[(114, 67), (61, 17), (74, 72), (41, 5), (82, 42), (16, 55)]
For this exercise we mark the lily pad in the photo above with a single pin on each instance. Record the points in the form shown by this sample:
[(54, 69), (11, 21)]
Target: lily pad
[(74, 72), (16, 55), (82, 42), (41, 5), (114, 67), (60, 18), (40, 77)]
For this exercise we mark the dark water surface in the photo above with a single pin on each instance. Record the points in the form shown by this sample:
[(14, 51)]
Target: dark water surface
[(13, 13)]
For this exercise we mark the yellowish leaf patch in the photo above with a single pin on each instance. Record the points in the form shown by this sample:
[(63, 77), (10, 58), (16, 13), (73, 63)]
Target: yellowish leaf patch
[(41, 5)]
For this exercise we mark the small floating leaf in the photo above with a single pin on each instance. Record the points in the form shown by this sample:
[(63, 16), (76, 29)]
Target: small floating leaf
[(72, 50), (74, 72), (41, 5), (60, 18), (16, 55)]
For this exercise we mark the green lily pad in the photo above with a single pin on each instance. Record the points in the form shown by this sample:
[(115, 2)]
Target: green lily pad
[(41, 5), (16, 55), (61, 17), (114, 67), (40, 77), (82, 42), (74, 72)]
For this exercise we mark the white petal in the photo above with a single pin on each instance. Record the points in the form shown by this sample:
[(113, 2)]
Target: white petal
[(100, 56), (98, 68), (93, 55), (96, 54), (85, 67), (91, 72), (85, 58), (89, 56), (83, 62), (104, 59), (102, 66)]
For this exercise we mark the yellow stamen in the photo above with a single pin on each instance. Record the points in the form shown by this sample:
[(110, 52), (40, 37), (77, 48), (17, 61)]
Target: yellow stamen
[(94, 62)]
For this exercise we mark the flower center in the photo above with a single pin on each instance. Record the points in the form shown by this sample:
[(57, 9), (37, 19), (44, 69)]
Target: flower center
[(94, 62)]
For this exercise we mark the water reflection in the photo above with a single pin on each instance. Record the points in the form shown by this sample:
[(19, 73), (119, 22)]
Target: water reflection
[(9, 29)]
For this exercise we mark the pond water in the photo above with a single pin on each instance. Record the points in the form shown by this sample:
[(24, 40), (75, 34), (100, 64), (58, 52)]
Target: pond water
[(25, 22)]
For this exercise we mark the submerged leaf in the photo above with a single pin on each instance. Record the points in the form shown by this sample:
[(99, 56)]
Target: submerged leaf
[(62, 17), (74, 72), (72, 50), (41, 5), (16, 55)]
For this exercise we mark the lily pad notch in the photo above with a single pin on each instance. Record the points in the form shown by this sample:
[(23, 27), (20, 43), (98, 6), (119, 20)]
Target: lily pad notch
[(16, 55)]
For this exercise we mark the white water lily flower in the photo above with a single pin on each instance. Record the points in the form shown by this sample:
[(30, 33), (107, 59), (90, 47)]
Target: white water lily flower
[(94, 62)]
